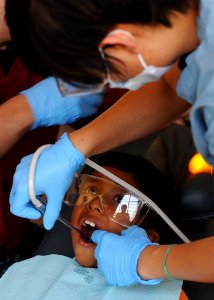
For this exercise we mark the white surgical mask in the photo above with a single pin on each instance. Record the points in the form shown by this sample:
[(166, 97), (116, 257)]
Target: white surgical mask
[(149, 73)]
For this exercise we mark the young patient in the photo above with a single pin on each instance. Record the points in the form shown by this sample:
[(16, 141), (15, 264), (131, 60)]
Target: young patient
[(104, 205), (107, 206)]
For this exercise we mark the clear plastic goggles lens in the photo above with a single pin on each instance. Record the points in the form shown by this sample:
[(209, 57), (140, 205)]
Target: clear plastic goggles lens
[(114, 201), (68, 90)]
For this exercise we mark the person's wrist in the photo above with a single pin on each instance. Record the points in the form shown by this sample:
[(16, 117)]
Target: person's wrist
[(24, 111), (146, 260), (71, 151), (40, 97), (36, 115), (82, 142)]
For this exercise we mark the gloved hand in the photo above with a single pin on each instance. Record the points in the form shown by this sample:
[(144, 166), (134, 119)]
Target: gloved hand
[(51, 108), (117, 255), (54, 172)]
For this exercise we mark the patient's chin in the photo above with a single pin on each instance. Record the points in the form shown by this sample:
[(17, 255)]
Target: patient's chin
[(86, 259), (87, 264)]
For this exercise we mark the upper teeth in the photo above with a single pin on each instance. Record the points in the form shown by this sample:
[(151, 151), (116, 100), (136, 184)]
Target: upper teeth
[(87, 222)]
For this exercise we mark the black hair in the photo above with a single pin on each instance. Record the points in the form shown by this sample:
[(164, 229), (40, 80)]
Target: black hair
[(17, 18), (67, 33), (153, 183)]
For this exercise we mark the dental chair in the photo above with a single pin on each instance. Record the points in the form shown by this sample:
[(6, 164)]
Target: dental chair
[(170, 150)]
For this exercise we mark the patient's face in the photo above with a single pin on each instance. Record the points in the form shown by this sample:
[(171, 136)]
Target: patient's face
[(84, 252)]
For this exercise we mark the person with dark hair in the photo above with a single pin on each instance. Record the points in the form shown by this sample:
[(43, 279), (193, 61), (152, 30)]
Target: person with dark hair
[(86, 25), (28, 101)]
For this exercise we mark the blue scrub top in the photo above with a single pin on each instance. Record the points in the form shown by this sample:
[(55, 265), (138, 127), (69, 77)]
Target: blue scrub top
[(196, 83)]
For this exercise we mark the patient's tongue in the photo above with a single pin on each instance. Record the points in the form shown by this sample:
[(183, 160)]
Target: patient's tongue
[(88, 231)]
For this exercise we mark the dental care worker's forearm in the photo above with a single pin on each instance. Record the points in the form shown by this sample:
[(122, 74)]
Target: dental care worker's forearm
[(193, 261), (135, 115), (16, 118)]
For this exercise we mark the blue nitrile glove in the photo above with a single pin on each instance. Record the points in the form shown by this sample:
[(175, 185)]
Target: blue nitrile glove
[(117, 255), (54, 172), (51, 108)]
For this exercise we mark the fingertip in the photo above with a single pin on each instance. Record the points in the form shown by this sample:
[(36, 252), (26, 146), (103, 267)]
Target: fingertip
[(49, 220), (52, 211), (97, 235), (48, 224), (94, 236)]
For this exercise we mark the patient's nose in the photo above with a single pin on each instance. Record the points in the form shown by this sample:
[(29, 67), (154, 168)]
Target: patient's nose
[(95, 204)]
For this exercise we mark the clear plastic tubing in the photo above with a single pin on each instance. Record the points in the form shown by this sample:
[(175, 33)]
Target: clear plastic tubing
[(116, 179)]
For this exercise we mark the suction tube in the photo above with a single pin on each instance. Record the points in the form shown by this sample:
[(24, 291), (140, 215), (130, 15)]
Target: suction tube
[(116, 179)]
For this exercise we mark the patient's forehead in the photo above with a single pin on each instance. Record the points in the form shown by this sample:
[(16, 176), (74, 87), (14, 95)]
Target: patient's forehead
[(126, 176)]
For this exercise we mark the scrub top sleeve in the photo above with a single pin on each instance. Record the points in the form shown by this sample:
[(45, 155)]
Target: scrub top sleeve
[(196, 84)]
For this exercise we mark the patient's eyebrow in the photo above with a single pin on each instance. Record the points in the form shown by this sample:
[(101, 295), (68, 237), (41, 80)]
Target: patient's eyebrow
[(117, 188), (91, 180)]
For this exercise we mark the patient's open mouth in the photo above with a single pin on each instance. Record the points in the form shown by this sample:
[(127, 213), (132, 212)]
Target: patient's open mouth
[(87, 229)]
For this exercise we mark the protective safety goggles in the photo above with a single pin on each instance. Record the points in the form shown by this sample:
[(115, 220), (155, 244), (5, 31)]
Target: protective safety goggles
[(133, 199), (68, 90), (107, 198)]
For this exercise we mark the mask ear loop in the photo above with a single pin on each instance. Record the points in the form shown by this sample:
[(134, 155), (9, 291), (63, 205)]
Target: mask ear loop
[(121, 31), (142, 61), (111, 33), (127, 33), (107, 71)]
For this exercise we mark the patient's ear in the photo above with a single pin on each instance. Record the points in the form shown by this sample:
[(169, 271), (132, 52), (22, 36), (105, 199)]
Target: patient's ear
[(153, 235)]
